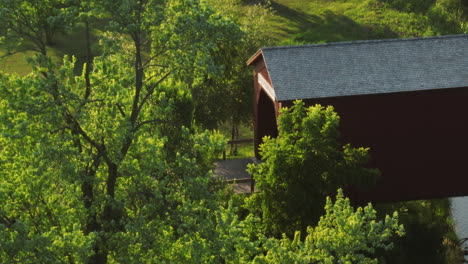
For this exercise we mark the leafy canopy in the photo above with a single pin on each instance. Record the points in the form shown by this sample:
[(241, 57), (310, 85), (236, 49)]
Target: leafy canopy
[(303, 165), (91, 161), (343, 235), (108, 166)]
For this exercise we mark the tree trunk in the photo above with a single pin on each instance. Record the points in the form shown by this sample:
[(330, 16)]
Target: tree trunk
[(49, 36), (87, 188), (111, 217), (100, 256), (233, 136), (236, 127), (89, 60)]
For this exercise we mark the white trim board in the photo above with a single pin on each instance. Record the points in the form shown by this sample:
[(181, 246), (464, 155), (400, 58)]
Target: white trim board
[(266, 87)]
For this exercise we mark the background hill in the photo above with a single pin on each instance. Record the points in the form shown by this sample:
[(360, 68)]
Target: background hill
[(312, 21), (316, 21)]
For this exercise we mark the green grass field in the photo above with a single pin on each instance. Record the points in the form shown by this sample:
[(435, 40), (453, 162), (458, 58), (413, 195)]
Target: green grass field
[(317, 21), (72, 44)]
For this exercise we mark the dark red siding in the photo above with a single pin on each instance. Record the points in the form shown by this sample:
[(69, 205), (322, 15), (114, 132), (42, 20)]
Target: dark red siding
[(266, 120), (265, 109), (419, 141)]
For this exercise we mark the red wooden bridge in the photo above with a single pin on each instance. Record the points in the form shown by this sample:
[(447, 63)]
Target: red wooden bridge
[(406, 99)]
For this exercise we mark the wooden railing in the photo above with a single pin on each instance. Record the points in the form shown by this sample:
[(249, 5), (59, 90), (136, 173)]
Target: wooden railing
[(242, 180), (239, 141)]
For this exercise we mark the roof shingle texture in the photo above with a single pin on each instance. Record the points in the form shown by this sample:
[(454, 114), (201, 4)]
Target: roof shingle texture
[(367, 67)]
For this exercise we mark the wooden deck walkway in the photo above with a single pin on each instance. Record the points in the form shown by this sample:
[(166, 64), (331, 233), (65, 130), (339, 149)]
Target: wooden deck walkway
[(233, 171)]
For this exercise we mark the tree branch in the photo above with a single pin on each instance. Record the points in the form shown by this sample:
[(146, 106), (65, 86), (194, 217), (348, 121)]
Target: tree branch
[(121, 110), (9, 53), (154, 57), (151, 90), (139, 125), (75, 126), (156, 65)]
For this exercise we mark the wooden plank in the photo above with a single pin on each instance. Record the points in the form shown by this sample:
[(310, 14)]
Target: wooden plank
[(240, 180), (267, 87), (239, 141)]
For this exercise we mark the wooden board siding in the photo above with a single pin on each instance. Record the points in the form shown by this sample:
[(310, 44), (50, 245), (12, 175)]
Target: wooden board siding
[(418, 133), (419, 141)]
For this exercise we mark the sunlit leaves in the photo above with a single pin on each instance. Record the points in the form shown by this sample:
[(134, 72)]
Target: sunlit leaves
[(301, 166)]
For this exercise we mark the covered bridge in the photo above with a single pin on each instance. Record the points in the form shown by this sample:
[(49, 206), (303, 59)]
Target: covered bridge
[(406, 99)]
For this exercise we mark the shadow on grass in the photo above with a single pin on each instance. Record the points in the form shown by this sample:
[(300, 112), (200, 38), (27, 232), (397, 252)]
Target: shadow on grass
[(74, 44), (327, 27), (70, 43), (300, 19), (337, 27)]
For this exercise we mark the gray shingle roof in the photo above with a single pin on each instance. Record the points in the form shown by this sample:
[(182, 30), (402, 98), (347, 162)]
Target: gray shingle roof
[(367, 67)]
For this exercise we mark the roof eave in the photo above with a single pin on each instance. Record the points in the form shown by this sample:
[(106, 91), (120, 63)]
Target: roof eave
[(255, 57)]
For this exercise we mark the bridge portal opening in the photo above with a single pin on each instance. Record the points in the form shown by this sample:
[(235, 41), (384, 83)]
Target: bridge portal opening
[(266, 120)]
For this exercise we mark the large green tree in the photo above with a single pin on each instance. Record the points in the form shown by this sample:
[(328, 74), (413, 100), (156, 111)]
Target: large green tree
[(303, 165), (105, 146), (56, 193), (228, 97)]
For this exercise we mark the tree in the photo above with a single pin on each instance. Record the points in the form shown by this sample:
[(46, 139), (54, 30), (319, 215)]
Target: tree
[(35, 22), (343, 235), (100, 163), (228, 96), (303, 165), (430, 235)]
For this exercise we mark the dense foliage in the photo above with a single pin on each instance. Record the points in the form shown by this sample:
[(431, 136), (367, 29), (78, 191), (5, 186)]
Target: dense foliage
[(90, 161), (343, 235), (228, 96), (429, 235), (303, 165)]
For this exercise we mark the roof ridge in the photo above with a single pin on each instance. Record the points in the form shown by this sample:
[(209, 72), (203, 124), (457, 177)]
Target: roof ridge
[(354, 42)]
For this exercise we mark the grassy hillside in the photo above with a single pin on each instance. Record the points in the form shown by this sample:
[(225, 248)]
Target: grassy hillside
[(316, 21), (72, 43)]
